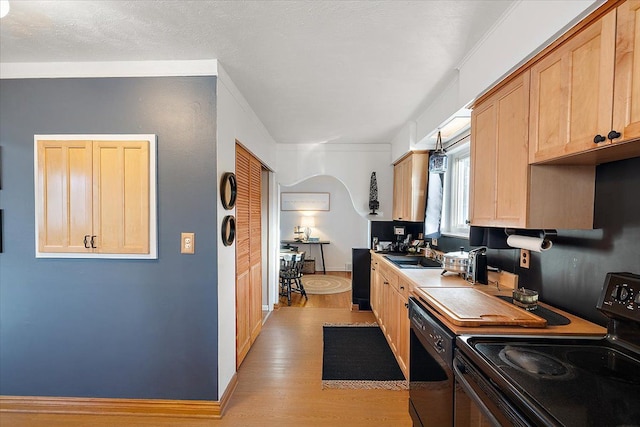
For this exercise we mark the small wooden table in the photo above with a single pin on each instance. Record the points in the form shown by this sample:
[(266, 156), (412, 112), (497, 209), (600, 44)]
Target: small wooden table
[(320, 243)]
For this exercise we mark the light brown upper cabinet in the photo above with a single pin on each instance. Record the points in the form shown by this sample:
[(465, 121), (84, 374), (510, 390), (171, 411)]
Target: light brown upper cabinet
[(95, 198), (410, 187), (499, 156), (626, 101), (575, 106), (508, 192)]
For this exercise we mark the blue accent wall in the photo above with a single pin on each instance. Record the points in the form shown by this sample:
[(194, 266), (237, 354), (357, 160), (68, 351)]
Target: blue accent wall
[(112, 328)]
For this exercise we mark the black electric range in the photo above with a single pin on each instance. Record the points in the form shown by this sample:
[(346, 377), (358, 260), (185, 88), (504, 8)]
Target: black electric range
[(562, 381)]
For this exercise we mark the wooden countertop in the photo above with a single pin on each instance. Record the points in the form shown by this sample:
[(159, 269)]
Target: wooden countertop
[(430, 278), (578, 326)]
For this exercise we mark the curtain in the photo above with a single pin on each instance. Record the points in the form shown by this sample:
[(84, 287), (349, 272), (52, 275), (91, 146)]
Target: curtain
[(433, 214)]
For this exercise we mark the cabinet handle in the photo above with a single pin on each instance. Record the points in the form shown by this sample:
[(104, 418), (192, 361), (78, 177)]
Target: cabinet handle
[(401, 287), (86, 241), (93, 242), (406, 304), (599, 138), (613, 135), (385, 282)]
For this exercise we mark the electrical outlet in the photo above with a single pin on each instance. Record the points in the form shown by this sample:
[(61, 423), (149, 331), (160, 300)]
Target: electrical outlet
[(434, 242), (187, 243), (524, 258)]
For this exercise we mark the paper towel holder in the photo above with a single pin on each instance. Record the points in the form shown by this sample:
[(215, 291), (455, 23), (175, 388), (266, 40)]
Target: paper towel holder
[(545, 234)]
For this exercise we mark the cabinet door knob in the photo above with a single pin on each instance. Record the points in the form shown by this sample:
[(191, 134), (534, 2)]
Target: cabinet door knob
[(86, 242), (599, 138), (93, 242), (613, 135)]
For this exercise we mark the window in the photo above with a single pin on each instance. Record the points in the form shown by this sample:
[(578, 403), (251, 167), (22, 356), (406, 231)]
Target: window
[(455, 209)]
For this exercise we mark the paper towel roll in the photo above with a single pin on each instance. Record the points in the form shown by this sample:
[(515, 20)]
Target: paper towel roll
[(536, 244)]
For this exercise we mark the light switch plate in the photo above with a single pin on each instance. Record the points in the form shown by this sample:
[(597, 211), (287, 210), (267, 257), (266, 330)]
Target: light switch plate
[(187, 243)]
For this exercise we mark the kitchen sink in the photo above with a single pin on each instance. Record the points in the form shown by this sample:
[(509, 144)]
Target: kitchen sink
[(404, 261)]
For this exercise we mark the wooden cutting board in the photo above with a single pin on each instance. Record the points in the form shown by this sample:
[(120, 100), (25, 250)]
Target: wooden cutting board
[(471, 307)]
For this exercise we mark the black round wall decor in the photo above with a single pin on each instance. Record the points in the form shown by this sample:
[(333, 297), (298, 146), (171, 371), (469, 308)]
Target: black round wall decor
[(228, 230), (228, 190)]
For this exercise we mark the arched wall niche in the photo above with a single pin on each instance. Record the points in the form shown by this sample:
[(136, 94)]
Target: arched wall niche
[(351, 164), (342, 225)]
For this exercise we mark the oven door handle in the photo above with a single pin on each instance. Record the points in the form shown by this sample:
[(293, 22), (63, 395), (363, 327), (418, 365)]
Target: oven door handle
[(471, 393)]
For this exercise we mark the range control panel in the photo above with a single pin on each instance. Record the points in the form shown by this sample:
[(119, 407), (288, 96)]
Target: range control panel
[(620, 296)]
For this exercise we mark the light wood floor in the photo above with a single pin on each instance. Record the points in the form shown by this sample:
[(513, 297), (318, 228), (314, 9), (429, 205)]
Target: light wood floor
[(280, 381), (342, 300)]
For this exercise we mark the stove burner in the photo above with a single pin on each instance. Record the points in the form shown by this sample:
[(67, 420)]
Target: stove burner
[(533, 363), (607, 363)]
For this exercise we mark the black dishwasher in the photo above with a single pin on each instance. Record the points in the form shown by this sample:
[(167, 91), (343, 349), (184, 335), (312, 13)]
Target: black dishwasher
[(431, 381), (361, 277)]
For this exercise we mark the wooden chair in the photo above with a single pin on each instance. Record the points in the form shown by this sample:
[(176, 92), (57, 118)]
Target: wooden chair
[(291, 276)]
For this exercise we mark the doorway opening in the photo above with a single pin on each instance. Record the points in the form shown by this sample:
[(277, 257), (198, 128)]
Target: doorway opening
[(338, 225)]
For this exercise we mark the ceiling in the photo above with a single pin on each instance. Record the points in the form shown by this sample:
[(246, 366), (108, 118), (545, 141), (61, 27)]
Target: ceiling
[(313, 71)]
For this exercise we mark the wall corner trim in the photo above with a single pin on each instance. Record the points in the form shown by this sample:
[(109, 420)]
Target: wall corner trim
[(43, 70)]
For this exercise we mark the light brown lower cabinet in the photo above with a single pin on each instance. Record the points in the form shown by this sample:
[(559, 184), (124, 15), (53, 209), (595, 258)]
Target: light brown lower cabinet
[(389, 302), (375, 288), (402, 337)]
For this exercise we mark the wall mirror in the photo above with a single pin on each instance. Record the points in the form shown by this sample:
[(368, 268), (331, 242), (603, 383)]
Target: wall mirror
[(228, 190), (228, 230)]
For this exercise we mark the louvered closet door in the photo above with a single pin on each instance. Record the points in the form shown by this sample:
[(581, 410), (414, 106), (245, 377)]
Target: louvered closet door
[(243, 330), (255, 248), (248, 252)]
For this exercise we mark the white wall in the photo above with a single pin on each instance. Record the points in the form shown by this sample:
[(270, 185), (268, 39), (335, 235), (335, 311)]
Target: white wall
[(525, 29), (404, 141), (341, 225), (351, 164), (349, 167), (236, 120)]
